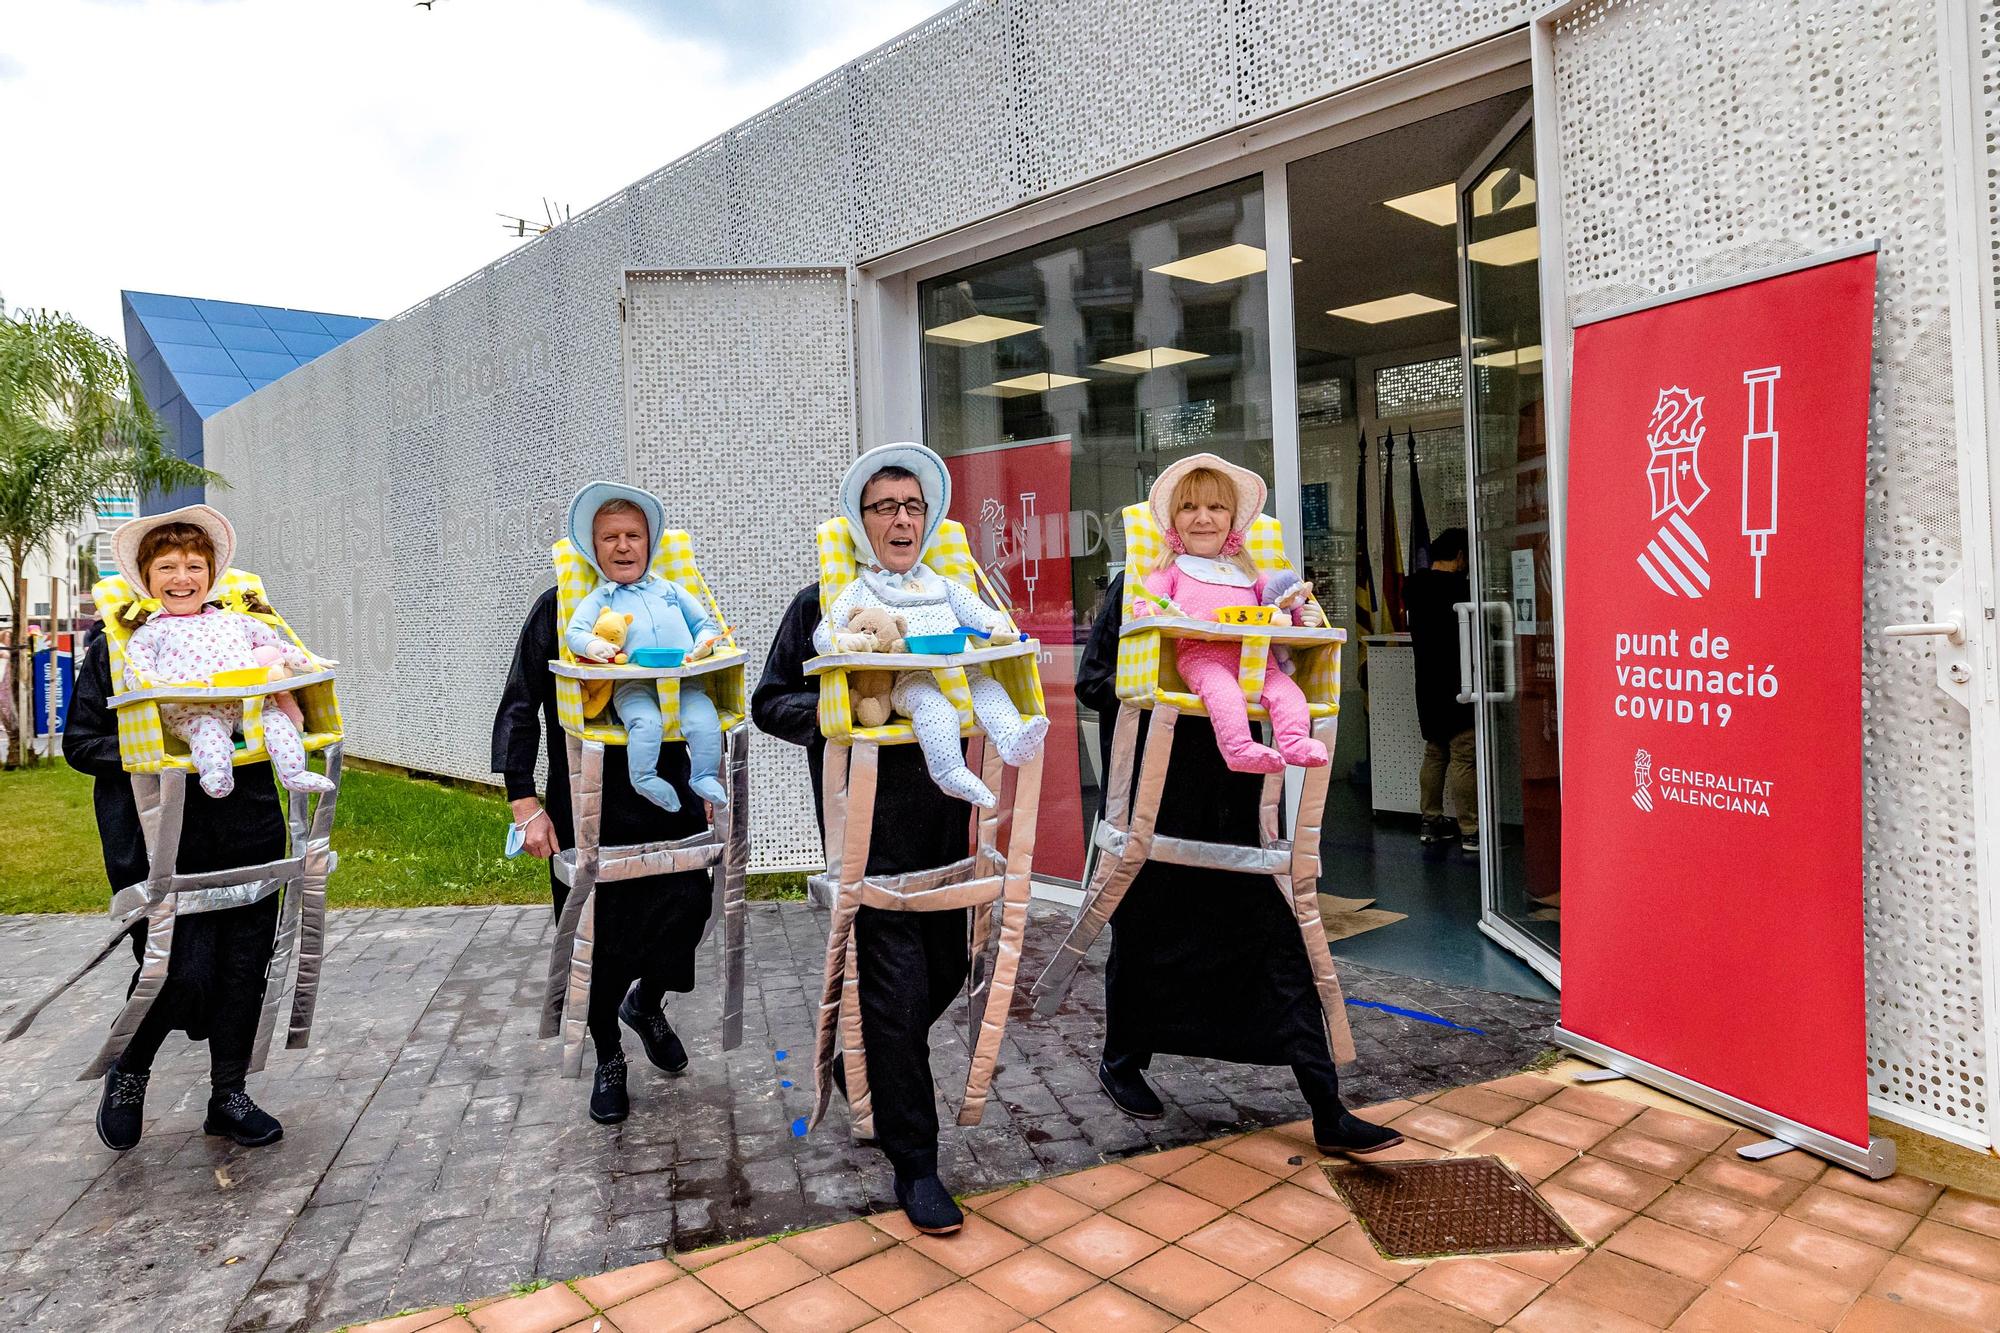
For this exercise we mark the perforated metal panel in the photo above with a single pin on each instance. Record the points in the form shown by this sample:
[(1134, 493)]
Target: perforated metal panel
[(1704, 138), (740, 413)]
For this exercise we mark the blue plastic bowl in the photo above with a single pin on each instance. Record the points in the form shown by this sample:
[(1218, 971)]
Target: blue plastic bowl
[(937, 645), (658, 657)]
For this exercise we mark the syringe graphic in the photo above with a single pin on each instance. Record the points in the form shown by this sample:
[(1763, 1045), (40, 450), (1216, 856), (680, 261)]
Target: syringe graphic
[(1760, 466)]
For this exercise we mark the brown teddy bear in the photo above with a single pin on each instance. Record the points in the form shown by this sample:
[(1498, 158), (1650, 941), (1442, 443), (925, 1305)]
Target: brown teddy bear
[(871, 630)]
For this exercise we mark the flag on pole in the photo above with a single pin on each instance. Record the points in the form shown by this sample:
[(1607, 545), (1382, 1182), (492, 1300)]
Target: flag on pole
[(1420, 527), (1364, 574), (1396, 617)]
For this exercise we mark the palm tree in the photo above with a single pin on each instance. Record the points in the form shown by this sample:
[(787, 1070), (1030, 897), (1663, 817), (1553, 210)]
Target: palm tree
[(74, 425)]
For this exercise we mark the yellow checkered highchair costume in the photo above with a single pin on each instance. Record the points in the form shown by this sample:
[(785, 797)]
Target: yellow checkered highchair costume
[(950, 556), (144, 744), (675, 560), (1146, 676)]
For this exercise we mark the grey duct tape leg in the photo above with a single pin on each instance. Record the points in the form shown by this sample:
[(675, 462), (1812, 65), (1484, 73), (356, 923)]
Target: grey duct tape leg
[(854, 1056), (580, 907), (731, 879), (865, 767), (277, 972), (161, 799), (1017, 887), (1114, 877), (849, 786), (988, 832), (1302, 887), (320, 861)]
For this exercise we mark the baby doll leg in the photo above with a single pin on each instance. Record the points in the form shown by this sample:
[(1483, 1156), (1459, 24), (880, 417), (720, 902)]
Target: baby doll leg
[(702, 730), (638, 704), (206, 731), (288, 754), (1291, 720), (936, 723), (1017, 738), (1213, 677)]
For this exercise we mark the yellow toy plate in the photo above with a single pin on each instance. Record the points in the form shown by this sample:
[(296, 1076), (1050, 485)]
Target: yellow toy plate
[(1244, 615), (240, 676)]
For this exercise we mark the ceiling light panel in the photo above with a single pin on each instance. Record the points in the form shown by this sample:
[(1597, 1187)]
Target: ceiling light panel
[(1213, 266), (1512, 359), (1149, 358), (1438, 205), (1514, 247), (1023, 385), (978, 329), (1405, 306)]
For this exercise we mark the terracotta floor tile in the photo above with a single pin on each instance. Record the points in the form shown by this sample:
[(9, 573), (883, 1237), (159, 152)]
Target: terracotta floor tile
[(1528, 1087), (543, 1311), (1967, 1212), (831, 1248), (1547, 1265), (1872, 1314), (1182, 1283), (1108, 1309), (456, 1324), (1167, 1211), (1479, 1103), (1912, 1194), (1102, 1186), (1411, 1149), (1241, 1245), (1037, 1212), (1571, 1131), (1612, 1182), (1967, 1251), (1794, 1165), (1798, 1292), (1689, 1131), (622, 1284), (1479, 1287), (405, 1323), (892, 1279), (1296, 1212), (959, 1308), (1351, 1243), (1033, 1281), (715, 1254), (1383, 1112), (1536, 1159), (1276, 1152), (1556, 1311), (1876, 1223), (1749, 1183), (1950, 1293), (894, 1224), (1254, 1308), (1596, 1105), (985, 1197), (1313, 1177), (679, 1307), (975, 1246), (1222, 1180), (1630, 1287), (1592, 1219), (1407, 1311), (753, 1278), (1443, 1128), (1157, 1164), (1670, 1249), (1659, 1157), (1318, 1281), (1713, 1312), (1734, 1224), (1103, 1245), (820, 1306), (1842, 1260), (883, 1325)]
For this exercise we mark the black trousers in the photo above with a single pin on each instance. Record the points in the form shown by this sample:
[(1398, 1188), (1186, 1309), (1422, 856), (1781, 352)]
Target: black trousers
[(912, 966), (1318, 1080), (214, 990), (647, 931)]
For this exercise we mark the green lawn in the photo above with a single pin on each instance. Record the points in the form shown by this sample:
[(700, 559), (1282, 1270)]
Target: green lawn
[(403, 842)]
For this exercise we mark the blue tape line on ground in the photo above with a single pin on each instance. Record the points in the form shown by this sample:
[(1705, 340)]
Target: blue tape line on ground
[(1417, 1014)]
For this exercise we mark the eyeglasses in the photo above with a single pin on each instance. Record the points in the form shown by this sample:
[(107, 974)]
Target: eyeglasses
[(890, 508)]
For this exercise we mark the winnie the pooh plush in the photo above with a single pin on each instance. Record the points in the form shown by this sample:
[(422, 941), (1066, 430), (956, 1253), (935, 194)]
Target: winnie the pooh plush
[(871, 630), (610, 627)]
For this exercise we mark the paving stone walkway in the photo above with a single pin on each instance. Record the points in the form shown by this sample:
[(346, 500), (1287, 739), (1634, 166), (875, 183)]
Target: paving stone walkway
[(432, 1155)]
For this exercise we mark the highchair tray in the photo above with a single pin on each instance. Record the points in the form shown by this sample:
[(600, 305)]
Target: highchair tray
[(1187, 627), (820, 666), (721, 659), (184, 693)]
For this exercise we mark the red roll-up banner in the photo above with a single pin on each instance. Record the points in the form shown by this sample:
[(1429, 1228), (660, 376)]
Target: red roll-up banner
[(1711, 780)]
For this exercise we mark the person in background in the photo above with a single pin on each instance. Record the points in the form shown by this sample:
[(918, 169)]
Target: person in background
[(1432, 596)]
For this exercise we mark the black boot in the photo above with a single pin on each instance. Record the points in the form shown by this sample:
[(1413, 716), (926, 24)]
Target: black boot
[(928, 1204), (1126, 1086), (663, 1045), (1350, 1136), (121, 1111), (608, 1103), (234, 1116)]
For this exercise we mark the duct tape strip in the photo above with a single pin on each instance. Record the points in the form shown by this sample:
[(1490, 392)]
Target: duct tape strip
[(1270, 860), (159, 797), (320, 862), (1013, 931), (732, 887)]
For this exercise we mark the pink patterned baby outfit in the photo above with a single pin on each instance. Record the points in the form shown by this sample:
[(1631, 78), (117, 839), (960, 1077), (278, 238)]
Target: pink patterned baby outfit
[(1200, 587), (193, 648)]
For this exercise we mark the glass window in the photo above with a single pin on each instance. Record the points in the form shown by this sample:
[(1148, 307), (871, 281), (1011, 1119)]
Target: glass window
[(1058, 381)]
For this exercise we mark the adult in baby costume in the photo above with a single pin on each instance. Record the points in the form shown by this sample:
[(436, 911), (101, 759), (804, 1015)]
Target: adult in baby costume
[(911, 965), (1206, 963), (647, 929), (215, 975)]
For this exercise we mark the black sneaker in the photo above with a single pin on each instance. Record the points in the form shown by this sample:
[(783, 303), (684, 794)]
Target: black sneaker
[(1469, 844), (121, 1112), (662, 1043), (233, 1115), (1436, 828), (929, 1205), (1351, 1136), (608, 1102), (1129, 1092)]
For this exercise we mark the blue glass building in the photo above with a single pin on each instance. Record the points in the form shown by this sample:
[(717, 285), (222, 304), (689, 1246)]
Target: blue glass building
[(196, 357)]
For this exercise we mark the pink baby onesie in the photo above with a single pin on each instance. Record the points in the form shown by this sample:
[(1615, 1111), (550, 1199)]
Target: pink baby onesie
[(193, 648), (1201, 587)]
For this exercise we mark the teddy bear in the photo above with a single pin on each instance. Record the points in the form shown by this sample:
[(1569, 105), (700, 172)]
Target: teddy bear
[(271, 657), (871, 630), (610, 627)]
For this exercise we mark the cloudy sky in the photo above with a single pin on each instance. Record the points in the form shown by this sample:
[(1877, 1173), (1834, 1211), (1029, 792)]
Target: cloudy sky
[(352, 155)]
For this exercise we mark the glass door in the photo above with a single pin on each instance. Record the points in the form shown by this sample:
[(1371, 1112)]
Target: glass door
[(1509, 666)]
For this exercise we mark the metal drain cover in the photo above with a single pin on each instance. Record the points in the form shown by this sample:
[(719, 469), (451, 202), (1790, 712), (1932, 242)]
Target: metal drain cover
[(1450, 1206)]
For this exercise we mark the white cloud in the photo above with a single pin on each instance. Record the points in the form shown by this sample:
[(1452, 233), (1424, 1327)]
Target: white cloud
[(350, 155)]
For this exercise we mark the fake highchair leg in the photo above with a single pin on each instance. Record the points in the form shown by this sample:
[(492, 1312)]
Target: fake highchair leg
[(277, 972), (986, 833), (1301, 887), (1016, 888), (161, 799), (731, 876), (320, 862), (566, 1003), (849, 787), (1114, 875)]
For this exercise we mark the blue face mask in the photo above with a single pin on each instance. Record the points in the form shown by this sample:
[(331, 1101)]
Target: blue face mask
[(517, 834)]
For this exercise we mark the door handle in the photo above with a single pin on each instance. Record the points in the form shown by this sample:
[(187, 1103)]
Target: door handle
[(1466, 694), (1508, 643)]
